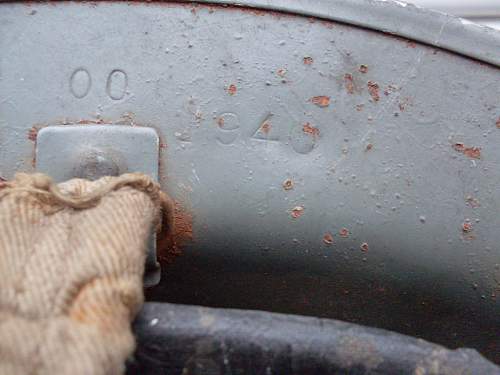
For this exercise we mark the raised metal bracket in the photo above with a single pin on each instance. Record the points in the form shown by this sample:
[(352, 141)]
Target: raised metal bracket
[(92, 151)]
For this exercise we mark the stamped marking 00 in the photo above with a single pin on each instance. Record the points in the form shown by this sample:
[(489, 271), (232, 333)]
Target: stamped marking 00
[(80, 83), (116, 84)]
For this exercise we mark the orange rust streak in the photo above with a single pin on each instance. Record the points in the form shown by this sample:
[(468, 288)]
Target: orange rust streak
[(171, 246)]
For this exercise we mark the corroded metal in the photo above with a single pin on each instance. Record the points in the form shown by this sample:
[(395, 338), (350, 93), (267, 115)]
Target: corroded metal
[(319, 167)]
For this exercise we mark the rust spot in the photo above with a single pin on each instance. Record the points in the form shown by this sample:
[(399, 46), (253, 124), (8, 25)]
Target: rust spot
[(327, 24), (349, 83), (411, 44), (32, 133), (308, 60), (171, 246), (265, 127), (231, 90), (328, 238), (309, 129), (163, 146), (498, 123), (368, 147), (360, 107), (297, 211), (344, 232), (364, 247), (363, 68), (321, 101), (281, 72), (471, 152), (288, 184), (373, 89), (466, 227), (220, 122)]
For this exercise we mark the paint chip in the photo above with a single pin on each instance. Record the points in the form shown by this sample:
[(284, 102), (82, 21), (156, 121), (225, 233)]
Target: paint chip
[(471, 152), (232, 89), (309, 129), (328, 238), (297, 211), (363, 68), (344, 232), (466, 227), (288, 184), (281, 72), (364, 247), (373, 89), (308, 60)]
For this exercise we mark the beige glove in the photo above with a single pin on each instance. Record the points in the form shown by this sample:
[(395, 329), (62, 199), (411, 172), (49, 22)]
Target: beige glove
[(71, 267)]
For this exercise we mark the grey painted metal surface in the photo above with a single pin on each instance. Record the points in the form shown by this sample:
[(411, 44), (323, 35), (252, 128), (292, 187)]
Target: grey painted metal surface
[(94, 151), (328, 169), (399, 18)]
